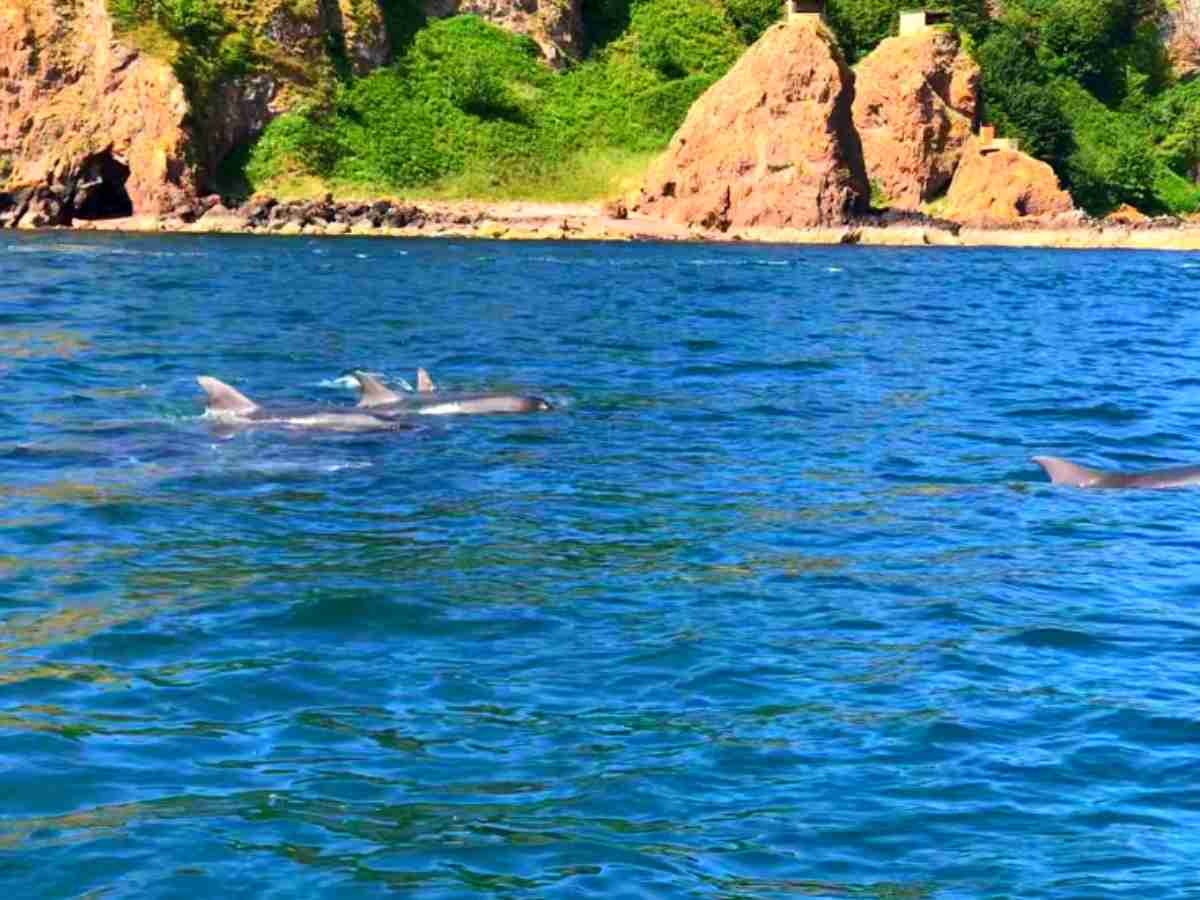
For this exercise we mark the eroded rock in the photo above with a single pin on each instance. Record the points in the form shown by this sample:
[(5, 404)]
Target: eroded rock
[(1179, 26), (999, 187), (915, 108), (100, 126), (771, 144)]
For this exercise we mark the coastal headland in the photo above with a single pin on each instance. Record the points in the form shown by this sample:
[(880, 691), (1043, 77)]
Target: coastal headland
[(797, 125)]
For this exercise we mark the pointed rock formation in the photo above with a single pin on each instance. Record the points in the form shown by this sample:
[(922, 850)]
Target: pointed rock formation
[(915, 105), (1003, 187), (771, 144), (89, 126)]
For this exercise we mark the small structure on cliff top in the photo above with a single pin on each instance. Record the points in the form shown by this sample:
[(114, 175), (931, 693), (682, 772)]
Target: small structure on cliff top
[(795, 8), (914, 21), (989, 143)]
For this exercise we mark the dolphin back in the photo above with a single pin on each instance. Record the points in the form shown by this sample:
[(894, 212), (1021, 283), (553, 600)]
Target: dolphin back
[(372, 391), (221, 398), (1063, 471)]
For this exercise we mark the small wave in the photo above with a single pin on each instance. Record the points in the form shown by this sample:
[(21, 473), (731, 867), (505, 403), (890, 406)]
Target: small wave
[(342, 466), (60, 249), (348, 382), (834, 269)]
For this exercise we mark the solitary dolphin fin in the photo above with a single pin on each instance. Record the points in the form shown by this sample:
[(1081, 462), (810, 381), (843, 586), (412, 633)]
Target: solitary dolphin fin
[(223, 398), (373, 392), (424, 382), (1062, 471)]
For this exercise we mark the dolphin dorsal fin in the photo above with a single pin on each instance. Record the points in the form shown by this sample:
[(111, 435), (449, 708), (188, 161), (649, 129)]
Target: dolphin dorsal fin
[(424, 382), (373, 393), (223, 398), (1063, 471)]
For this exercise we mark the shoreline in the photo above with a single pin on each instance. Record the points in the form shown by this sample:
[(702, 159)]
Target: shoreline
[(519, 220)]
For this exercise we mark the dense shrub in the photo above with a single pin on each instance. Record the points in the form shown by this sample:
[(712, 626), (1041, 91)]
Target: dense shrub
[(1017, 102), (678, 38), (1081, 38), (751, 18)]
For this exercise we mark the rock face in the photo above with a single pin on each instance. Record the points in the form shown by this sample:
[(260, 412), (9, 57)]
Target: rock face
[(1003, 187), (1180, 30), (363, 30), (89, 126), (556, 25), (915, 107), (238, 111), (769, 145)]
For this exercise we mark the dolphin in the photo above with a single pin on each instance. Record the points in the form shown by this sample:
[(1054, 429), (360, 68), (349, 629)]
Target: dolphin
[(230, 407), (1062, 471), (429, 401)]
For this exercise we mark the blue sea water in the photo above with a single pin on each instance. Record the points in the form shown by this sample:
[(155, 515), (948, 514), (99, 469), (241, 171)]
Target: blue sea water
[(772, 605)]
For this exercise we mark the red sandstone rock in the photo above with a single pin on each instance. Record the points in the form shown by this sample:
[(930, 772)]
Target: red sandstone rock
[(79, 107), (1126, 215), (770, 144), (915, 105), (1003, 187)]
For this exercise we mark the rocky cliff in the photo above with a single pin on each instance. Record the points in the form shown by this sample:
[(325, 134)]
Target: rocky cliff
[(1179, 25), (771, 144), (88, 126), (915, 108)]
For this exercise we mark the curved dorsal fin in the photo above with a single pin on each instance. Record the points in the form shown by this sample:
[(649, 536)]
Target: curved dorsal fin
[(424, 382), (1063, 471), (372, 391), (222, 398)]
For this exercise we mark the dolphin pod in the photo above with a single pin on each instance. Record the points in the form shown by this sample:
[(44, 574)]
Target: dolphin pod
[(429, 401), (378, 408), (1065, 472)]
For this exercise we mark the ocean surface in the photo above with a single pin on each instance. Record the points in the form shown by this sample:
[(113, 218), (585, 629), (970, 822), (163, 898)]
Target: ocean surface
[(773, 603)]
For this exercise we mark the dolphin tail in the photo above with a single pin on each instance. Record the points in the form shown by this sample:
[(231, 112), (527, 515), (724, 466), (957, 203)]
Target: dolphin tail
[(1062, 471), (424, 382), (223, 398), (373, 393)]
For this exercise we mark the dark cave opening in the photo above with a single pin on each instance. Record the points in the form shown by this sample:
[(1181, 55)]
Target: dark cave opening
[(100, 190)]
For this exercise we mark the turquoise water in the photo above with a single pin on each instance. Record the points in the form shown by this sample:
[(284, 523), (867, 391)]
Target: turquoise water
[(772, 605)]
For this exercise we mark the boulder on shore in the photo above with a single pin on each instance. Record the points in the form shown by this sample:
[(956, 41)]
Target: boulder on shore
[(771, 144), (998, 187), (915, 107)]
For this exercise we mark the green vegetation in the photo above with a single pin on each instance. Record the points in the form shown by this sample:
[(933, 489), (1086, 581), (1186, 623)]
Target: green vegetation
[(471, 108)]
